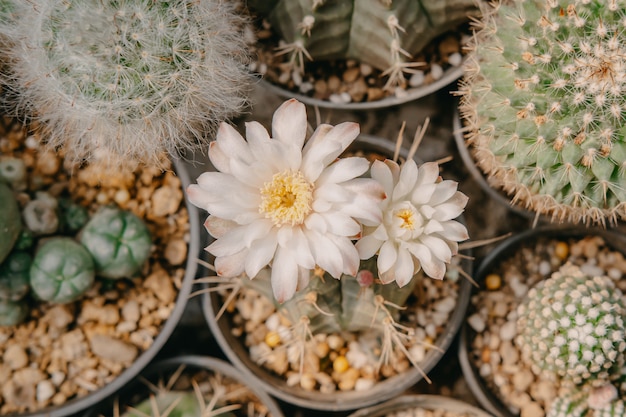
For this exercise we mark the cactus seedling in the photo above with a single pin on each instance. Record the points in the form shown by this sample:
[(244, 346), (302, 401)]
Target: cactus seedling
[(119, 242), (125, 80), (544, 100), (62, 270), (12, 312), (572, 326), (14, 276), (383, 34)]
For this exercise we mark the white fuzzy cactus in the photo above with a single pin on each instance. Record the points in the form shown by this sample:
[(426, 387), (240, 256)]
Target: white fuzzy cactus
[(133, 78)]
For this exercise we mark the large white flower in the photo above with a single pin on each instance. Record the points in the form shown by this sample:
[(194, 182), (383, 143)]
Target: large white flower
[(282, 202), (418, 229)]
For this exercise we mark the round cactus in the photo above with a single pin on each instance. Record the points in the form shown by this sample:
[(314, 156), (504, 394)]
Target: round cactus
[(15, 276), (72, 216), (118, 241), (572, 326), (62, 271), (12, 312), (134, 78), (10, 221), (544, 100), (381, 33)]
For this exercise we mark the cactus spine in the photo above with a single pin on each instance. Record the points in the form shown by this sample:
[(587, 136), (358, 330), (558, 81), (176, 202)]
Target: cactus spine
[(572, 326), (384, 34), (133, 78), (544, 100)]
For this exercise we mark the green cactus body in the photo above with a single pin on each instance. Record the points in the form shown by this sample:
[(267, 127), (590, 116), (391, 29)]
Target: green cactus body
[(15, 276), (25, 240), (370, 31), (131, 79), (12, 312), (62, 270), (185, 404), (10, 221), (572, 326), (118, 241), (544, 100), (72, 216)]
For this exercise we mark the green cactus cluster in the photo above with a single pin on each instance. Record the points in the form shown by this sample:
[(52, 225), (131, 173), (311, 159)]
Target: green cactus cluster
[(122, 81), (382, 33), (56, 253), (544, 101), (572, 326)]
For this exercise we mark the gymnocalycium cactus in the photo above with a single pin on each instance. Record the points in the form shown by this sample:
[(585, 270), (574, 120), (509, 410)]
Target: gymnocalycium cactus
[(382, 33), (299, 207), (544, 101), (134, 78), (572, 326), (118, 241)]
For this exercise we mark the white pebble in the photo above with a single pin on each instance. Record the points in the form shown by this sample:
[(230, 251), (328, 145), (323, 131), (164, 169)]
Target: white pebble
[(363, 384), (366, 70), (417, 79), (508, 330), (591, 270), (455, 59), (346, 97), (446, 305), (45, 391), (436, 71), (417, 352), (431, 330), (614, 273), (272, 322), (336, 98), (296, 77), (545, 268), (305, 87), (485, 370), (32, 142), (518, 288), (477, 322), (284, 77)]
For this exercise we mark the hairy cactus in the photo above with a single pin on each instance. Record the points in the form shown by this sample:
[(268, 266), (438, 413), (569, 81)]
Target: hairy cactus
[(382, 33), (134, 78), (62, 270), (544, 100), (572, 326), (10, 221), (118, 241)]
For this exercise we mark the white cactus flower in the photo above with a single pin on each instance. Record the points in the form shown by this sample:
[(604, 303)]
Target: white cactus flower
[(285, 203), (418, 229)]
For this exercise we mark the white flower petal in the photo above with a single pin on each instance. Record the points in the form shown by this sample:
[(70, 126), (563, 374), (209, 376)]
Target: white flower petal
[(445, 212), (198, 197), (326, 254), (381, 172), (231, 266), (428, 173), (304, 276), (218, 227), (257, 136), (455, 231), (232, 144), (341, 224), (325, 146), (432, 266), (404, 267), (331, 193), (299, 246), (219, 159), (422, 194), (284, 276), (438, 247), (349, 254), (433, 226), (343, 170), (445, 190), (260, 254), (289, 123), (368, 246), (316, 222), (387, 256), (408, 177)]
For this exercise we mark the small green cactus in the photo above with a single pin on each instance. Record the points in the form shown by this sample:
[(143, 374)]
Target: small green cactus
[(72, 216), (10, 220), (125, 80), (62, 270), (572, 326), (12, 312), (118, 241), (381, 33), (544, 100), (15, 276), (175, 404)]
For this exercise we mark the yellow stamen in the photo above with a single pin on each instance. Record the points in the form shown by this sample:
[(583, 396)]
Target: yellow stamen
[(408, 219), (287, 198)]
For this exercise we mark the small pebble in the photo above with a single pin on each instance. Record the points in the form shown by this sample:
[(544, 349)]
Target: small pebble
[(455, 59), (417, 78), (436, 71), (493, 282)]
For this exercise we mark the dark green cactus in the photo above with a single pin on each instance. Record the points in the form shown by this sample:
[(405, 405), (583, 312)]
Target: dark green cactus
[(72, 216), (380, 33), (12, 312), (25, 241), (14, 276), (119, 242), (62, 270), (10, 220)]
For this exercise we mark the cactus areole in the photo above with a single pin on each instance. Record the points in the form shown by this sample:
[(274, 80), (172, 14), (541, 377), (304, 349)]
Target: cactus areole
[(544, 99)]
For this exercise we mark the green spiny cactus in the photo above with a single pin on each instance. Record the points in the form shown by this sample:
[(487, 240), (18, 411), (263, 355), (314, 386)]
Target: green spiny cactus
[(62, 270), (382, 33), (572, 326), (134, 78), (544, 100), (175, 404), (601, 402), (118, 241)]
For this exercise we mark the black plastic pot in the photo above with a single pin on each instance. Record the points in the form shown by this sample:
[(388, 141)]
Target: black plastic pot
[(79, 404), (426, 402), (237, 352), (478, 386), (136, 391)]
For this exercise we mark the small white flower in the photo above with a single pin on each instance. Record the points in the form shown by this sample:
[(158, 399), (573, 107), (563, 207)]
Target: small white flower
[(282, 202), (418, 229)]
